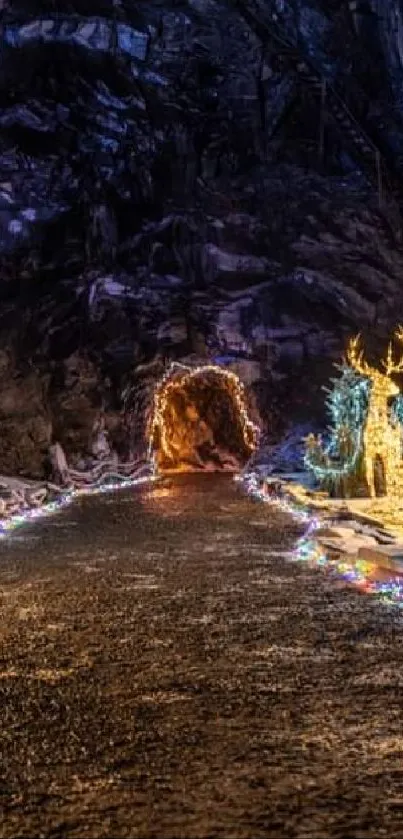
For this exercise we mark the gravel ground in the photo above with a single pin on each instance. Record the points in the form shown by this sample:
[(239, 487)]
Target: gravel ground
[(167, 671)]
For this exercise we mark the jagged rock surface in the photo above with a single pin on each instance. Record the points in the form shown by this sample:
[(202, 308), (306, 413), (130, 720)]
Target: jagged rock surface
[(163, 195)]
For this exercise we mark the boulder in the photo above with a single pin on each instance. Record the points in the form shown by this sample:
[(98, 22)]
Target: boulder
[(25, 420), (389, 557)]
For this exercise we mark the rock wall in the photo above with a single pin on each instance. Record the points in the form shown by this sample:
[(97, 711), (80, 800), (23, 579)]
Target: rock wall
[(201, 179)]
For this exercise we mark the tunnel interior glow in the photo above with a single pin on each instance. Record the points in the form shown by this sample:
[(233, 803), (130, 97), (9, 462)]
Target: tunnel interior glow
[(200, 421)]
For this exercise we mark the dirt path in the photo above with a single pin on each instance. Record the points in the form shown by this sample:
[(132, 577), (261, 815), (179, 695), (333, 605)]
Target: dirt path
[(166, 671)]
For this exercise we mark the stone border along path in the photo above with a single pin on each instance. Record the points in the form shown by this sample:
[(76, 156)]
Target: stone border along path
[(349, 544)]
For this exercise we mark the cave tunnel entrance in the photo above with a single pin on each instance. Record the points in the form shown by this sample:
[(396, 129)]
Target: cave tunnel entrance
[(200, 421)]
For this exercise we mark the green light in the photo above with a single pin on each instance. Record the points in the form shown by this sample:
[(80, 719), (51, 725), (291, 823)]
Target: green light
[(347, 404)]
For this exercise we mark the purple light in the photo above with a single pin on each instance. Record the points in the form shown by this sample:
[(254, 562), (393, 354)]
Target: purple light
[(307, 549), (34, 513)]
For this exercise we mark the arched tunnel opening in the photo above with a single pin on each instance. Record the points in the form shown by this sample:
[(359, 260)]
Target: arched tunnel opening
[(200, 421)]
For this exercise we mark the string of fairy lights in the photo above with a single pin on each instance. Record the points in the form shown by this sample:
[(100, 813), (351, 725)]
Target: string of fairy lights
[(176, 378), (307, 549), (25, 516), (341, 454), (365, 430), (162, 394)]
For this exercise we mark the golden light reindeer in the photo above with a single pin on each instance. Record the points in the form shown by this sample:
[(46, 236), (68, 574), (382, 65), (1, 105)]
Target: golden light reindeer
[(381, 437)]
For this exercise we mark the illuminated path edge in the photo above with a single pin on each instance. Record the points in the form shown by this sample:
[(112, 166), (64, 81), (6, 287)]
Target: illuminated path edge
[(67, 496), (31, 502), (307, 549)]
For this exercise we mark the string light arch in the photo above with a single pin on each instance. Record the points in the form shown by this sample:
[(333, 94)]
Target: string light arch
[(176, 378)]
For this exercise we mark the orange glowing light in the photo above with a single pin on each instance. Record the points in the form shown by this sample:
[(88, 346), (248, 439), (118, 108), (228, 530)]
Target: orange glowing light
[(382, 439), (176, 378)]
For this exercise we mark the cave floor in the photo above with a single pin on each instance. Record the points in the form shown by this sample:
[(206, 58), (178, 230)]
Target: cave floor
[(167, 671)]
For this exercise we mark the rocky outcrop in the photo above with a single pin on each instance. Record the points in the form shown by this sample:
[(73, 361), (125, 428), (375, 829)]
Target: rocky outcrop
[(25, 421), (194, 180)]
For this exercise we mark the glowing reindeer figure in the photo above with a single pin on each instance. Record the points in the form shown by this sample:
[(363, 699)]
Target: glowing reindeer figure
[(381, 437)]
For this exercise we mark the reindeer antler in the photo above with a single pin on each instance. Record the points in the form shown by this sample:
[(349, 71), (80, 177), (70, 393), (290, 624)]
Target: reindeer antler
[(355, 356), (390, 365)]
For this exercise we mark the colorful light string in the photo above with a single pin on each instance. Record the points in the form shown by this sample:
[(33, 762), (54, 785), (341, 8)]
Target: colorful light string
[(170, 379), (25, 516), (366, 432), (347, 404), (307, 549)]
